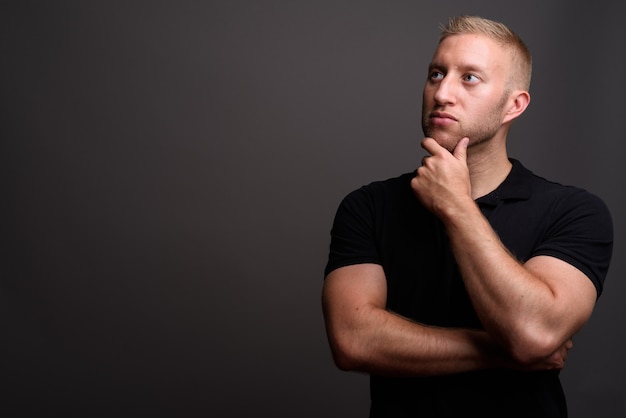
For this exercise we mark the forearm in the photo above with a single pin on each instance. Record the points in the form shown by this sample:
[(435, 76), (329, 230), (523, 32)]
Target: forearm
[(514, 305), (366, 337), (392, 345)]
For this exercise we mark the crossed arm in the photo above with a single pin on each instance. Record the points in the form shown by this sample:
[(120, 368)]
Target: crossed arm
[(366, 337), (529, 311)]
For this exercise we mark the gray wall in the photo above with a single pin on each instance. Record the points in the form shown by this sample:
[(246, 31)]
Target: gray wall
[(171, 170)]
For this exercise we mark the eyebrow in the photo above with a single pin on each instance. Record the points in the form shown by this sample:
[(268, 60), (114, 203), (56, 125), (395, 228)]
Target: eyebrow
[(462, 67)]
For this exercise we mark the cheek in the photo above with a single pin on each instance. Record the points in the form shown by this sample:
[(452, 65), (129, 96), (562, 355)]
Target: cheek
[(428, 93), (424, 98), (481, 112)]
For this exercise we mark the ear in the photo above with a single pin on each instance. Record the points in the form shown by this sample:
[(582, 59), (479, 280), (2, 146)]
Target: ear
[(518, 103)]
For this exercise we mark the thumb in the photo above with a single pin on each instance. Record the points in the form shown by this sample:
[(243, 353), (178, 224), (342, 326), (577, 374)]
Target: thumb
[(460, 151)]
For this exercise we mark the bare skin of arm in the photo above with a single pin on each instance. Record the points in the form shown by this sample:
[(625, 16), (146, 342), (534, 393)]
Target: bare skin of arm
[(365, 337), (532, 308)]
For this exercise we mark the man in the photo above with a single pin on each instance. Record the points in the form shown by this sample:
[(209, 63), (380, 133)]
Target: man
[(458, 287)]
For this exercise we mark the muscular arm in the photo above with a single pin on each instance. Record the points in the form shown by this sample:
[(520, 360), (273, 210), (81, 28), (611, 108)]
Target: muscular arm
[(532, 309), (365, 337)]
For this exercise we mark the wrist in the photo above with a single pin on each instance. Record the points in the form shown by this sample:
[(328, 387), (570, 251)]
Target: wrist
[(458, 212)]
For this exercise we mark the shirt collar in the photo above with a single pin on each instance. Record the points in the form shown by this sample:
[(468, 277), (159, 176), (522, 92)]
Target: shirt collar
[(516, 186)]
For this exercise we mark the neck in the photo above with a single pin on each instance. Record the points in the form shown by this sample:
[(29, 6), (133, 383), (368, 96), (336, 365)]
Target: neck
[(488, 165)]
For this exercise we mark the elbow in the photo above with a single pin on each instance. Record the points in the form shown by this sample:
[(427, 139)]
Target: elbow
[(533, 347), (344, 361), (346, 354)]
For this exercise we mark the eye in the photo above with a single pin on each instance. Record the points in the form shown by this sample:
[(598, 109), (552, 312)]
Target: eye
[(435, 75), (471, 78)]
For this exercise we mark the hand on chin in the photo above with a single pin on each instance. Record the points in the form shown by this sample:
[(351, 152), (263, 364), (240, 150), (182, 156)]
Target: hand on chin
[(447, 140)]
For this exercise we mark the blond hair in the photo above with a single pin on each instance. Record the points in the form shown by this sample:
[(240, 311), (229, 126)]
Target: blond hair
[(522, 59)]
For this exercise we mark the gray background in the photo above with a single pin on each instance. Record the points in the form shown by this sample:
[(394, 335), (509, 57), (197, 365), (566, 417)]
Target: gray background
[(171, 170)]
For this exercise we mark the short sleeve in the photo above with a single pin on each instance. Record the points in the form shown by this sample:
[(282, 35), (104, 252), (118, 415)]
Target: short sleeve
[(353, 232), (582, 235)]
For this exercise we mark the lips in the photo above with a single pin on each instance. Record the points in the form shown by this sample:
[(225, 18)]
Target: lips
[(442, 118)]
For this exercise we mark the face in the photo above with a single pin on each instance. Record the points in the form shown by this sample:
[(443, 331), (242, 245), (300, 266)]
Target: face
[(466, 91)]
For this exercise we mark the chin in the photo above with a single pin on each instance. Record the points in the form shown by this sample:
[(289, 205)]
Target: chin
[(446, 140)]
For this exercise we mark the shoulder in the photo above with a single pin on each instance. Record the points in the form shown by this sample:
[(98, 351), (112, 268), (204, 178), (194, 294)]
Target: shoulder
[(563, 198), (541, 192), (381, 190), (571, 224), (372, 205)]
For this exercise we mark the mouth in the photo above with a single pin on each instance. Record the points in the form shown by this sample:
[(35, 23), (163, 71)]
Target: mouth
[(442, 118)]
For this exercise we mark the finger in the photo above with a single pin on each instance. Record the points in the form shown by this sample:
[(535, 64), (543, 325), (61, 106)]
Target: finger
[(430, 145), (460, 151)]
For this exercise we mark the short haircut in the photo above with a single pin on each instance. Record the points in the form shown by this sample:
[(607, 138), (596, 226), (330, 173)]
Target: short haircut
[(522, 59)]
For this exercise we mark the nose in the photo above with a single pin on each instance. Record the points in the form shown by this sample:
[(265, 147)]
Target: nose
[(445, 91)]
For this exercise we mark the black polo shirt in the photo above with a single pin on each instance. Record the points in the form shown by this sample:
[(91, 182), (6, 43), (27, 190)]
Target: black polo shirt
[(384, 223)]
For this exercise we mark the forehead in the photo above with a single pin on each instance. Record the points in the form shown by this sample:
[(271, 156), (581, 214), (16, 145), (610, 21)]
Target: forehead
[(472, 51)]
